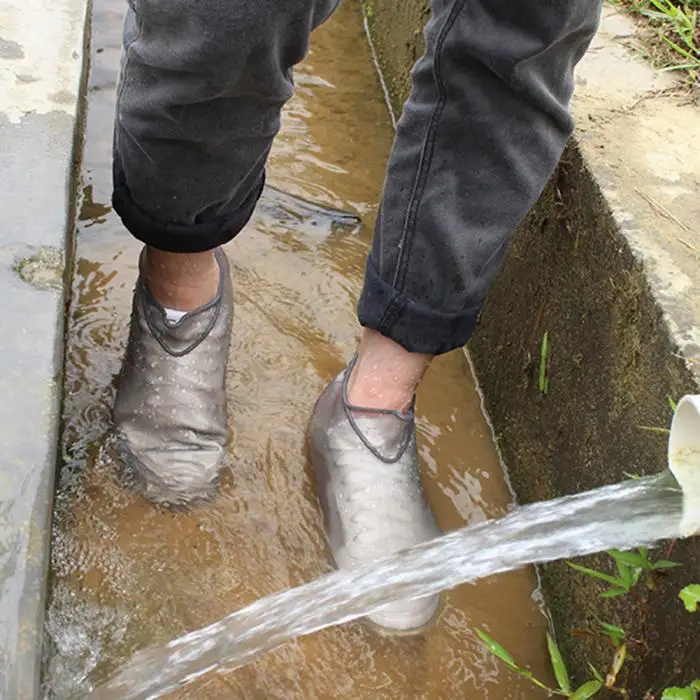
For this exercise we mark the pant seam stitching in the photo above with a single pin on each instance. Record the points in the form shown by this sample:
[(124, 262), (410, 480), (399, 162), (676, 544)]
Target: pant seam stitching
[(425, 158), (391, 313)]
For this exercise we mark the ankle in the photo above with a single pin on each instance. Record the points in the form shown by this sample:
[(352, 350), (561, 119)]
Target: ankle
[(182, 281), (385, 375)]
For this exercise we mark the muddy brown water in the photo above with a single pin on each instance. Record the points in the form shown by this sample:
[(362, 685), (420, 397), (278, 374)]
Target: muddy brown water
[(125, 575)]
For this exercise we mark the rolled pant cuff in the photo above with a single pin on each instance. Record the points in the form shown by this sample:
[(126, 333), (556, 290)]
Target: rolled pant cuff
[(182, 238), (414, 326)]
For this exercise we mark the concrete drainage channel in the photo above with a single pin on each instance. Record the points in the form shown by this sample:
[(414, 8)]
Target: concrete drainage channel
[(606, 266), (41, 70)]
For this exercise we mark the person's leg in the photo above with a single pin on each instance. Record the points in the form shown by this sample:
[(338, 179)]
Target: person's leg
[(483, 129), (481, 133), (201, 89)]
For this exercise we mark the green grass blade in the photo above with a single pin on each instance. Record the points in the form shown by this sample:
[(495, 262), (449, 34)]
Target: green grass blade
[(613, 593), (595, 672), (597, 574), (560, 672), (679, 49), (543, 381), (665, 564), (587, 690), (495, 648)]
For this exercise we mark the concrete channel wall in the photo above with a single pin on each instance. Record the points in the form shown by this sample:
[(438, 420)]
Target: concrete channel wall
[(608, 265), (41, 76)]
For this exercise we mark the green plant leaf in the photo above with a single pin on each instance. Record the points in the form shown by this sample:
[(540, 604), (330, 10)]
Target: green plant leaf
[(613, 593), (595, 672), (619, 660), (632, 559), (543, 380), (616, 634), (560, 672), (626, 573), (695, 685), (529, 676), (587, 690), (690, 595), (630, 574), (597, 574), (665, 564), (495, 648), (679, 694)]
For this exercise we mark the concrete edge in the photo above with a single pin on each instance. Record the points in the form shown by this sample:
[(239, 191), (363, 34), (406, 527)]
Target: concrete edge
[(608, 265), (43, 63)]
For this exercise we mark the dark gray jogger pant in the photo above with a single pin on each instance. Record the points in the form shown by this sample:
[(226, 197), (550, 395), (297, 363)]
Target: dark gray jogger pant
[(202, 86)]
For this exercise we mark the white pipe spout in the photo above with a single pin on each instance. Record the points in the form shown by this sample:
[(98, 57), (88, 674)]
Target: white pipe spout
[(684, 461)]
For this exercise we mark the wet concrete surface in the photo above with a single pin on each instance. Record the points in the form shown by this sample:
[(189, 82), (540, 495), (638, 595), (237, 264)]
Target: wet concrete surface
[(40, 60), (30, 360), (125, 575)]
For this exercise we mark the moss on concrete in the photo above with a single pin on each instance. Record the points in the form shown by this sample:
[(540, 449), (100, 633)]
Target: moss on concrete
[(612, 366), (43, 270)]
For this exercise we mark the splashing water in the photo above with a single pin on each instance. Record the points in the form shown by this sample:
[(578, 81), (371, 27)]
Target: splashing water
[(622, 516)]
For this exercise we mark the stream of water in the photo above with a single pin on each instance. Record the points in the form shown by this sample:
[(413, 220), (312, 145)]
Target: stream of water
[(626, 515)]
